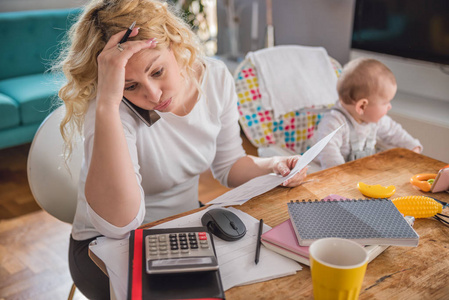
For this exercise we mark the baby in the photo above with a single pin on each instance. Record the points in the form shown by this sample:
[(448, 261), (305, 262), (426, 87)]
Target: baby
[(365, 90)]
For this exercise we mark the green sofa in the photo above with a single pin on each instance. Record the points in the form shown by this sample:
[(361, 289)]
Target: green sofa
[(30, 42)]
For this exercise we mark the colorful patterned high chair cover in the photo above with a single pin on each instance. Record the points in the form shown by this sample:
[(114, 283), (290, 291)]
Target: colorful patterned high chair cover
[(291, 131)]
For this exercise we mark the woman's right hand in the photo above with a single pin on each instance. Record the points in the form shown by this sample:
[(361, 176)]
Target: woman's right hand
[(111, 67)]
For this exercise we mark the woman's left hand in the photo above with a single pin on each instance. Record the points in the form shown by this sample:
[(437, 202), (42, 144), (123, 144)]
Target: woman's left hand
[(284, 165)]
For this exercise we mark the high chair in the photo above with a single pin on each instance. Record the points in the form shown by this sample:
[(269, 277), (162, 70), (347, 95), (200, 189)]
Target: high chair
[(288, 135)]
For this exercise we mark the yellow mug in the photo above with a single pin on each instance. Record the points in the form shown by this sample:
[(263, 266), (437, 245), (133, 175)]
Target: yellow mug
[(338, 267)]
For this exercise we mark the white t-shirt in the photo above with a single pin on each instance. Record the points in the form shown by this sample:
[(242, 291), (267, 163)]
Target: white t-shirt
[(169, 156), (388, 133)]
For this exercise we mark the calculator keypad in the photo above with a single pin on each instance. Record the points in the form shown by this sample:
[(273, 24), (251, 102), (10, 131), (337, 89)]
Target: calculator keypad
[(164, 245)]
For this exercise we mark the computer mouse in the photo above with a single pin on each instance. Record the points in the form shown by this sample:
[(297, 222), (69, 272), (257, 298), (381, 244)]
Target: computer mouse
[(224, 224)]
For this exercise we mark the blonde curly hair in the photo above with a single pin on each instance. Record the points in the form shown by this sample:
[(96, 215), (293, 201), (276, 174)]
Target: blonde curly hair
[(100, 20)]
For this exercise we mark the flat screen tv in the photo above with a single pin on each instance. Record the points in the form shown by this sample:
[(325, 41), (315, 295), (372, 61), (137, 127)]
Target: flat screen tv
[(416, 29)]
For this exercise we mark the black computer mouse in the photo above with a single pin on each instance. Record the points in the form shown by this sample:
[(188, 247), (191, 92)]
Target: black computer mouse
[(224, 224)]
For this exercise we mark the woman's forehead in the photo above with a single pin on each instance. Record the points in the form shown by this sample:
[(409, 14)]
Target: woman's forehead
[(146, 56)]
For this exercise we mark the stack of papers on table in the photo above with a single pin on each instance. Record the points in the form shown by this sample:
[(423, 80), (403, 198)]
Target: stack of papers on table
[(236, 259)]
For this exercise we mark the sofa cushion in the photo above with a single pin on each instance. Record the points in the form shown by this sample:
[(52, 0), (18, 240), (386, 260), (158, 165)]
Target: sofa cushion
[(17, 135), (31, 39), (34, 94), (9, 112)]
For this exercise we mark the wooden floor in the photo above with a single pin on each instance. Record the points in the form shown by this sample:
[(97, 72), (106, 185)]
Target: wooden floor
[(33, 244)]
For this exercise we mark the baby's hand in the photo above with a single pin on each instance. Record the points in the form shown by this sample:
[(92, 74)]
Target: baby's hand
[(417, 149)]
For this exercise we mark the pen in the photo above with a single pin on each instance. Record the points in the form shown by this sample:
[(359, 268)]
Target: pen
[(127, 33), (259, 234)]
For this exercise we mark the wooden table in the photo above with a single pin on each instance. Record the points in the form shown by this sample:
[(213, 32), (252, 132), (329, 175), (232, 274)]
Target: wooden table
[(399, 272)]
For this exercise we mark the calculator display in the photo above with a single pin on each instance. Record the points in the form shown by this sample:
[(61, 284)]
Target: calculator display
[(181, 261)]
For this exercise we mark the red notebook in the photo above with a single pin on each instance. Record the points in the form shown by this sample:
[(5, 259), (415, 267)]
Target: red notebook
[(198, 285)]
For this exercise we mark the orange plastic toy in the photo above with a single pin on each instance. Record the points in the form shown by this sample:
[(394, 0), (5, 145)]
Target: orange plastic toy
[(421, 181), (424, 181)]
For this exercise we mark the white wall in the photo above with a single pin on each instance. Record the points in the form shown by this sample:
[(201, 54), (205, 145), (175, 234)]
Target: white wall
[(425, 79), (326, 23)]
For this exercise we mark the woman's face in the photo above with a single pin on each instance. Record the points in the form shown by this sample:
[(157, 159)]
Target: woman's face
[(153, 81)]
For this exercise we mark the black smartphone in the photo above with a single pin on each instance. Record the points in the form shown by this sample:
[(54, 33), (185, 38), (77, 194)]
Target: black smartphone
[(149, 117)]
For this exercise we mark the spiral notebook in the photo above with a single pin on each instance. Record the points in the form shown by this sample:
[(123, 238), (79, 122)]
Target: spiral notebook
[(367, 222)]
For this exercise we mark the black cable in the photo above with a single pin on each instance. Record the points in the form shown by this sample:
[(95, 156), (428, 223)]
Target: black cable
[(436, 217)]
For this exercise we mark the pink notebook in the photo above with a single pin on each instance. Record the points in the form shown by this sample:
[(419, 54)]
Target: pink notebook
[(284, 236)]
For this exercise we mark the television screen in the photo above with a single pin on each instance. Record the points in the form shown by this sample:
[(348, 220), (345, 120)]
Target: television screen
[(416, 29)]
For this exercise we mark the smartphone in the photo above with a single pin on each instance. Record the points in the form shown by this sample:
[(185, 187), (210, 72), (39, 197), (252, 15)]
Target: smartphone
[(149, 117), (441, 182)]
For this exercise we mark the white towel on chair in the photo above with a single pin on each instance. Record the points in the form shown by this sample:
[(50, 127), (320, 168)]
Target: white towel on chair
[(294, 77)]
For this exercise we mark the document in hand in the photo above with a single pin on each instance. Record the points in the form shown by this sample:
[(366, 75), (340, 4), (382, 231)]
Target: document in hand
[(262, 184), (367, 222)]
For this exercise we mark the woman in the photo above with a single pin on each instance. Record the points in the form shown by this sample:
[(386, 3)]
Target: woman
[(132, 173)]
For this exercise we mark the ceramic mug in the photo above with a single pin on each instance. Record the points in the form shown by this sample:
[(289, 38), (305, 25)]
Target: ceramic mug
[(338, 267)]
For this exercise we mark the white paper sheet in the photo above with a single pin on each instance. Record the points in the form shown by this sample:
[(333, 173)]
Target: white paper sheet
[(114, 253), (236, 259), (262, 184)]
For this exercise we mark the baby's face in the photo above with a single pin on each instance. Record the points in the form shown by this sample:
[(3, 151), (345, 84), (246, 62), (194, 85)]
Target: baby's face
[(379, 104)]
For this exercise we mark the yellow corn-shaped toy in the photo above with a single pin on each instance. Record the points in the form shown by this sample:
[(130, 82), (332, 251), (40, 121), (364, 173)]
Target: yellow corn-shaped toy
[(417, 206)]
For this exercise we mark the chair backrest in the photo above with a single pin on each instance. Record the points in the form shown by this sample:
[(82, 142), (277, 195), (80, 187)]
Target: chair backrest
[(291, 131), (52, 182)]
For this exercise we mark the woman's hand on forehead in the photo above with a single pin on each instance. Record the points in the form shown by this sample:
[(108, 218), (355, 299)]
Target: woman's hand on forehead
[(111, 66)]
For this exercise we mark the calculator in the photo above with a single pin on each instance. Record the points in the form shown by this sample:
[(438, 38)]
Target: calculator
[(179, 250)]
